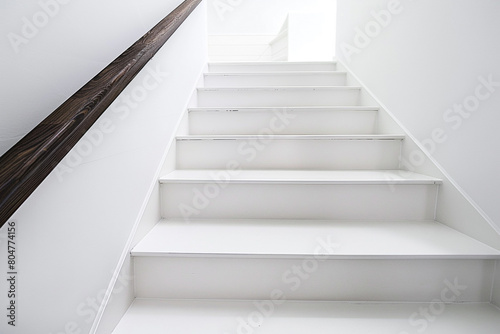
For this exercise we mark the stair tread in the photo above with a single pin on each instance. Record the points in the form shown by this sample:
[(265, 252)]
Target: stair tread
[(280, 73), (388, 177), (278, 88), (252, 63), (274, 109), (303, 238), (154, 316), (294, 137)]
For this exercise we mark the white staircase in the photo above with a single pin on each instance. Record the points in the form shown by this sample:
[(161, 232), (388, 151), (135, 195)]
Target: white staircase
[(288, 213)]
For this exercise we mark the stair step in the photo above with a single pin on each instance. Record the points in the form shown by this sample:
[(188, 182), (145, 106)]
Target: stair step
[(283, 121), (272, 151), (273, 66), (344, 258), (279, 96), (338, 177), (331, 195), (304, 239), (295, 78), (277, 316)]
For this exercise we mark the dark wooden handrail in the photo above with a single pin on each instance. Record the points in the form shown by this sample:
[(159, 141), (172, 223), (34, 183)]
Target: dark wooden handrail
[(34, 157)]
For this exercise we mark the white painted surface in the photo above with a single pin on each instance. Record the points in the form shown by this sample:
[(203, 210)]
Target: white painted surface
[(216, 199), (302, 78), (416, 60), (289, 152), (303, 120), (74, 228), (455, 209), (298, 239), (278, 96), (122, 294), (380, 177), (274, 66), (311, 36), (277, 316), (309, 279)]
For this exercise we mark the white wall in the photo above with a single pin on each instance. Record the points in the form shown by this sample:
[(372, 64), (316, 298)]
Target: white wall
[(311, 36), (75, 228), (258, 17), (424, 59)]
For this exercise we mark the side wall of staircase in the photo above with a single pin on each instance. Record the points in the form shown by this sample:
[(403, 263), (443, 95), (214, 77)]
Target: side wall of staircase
[(422, 69), (76, 229)]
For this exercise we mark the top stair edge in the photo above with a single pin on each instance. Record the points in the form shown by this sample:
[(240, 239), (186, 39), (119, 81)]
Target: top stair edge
[(291, 109), (252, 63), (277, 73)]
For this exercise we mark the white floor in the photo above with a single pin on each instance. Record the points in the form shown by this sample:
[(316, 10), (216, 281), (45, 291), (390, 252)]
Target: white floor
[(278, 316)]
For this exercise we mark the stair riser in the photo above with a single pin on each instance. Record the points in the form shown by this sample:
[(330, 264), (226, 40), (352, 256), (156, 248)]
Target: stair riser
[(314, 279), (278, 97), (289, 154), (294, 201), (301, 122), (266, 80), (265, 67)]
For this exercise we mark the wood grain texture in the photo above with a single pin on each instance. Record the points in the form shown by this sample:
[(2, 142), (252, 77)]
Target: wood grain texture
[(24, 167)]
